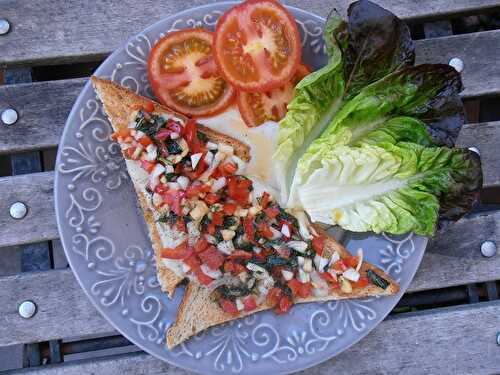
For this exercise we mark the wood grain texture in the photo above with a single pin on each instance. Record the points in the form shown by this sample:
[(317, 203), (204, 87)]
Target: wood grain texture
[(86, 30), (462, 341), (486, 137), (43, 108), (63, 309), (36, 191), (452, 258), (479, 52)]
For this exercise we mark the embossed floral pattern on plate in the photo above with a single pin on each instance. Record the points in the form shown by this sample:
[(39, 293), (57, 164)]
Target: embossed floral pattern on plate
[(106, 241)]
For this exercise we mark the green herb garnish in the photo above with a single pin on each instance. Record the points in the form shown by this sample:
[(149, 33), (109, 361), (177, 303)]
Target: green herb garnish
[(377, 280)]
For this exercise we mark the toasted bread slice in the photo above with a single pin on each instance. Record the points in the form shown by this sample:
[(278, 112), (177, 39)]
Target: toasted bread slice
[(119, 104), (198, 311)]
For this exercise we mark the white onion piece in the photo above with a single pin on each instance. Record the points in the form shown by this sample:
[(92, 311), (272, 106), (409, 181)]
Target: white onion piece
[(218, 184)]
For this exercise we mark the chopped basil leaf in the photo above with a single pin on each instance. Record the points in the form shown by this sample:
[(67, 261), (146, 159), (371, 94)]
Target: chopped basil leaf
[(229, 221), (164, 161), (202, 137), (173, 147), (169, 218), (233, 291), (377, 280), (171, 176)]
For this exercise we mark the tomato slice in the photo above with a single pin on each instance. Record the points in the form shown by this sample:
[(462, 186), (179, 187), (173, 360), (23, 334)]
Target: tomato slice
[(257, 45), (259, 107), (184, 76)]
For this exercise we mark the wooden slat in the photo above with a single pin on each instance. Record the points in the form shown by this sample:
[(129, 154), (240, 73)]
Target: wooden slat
[(479, 52), (36, 191), (44, 106), (441, 341), (63, 309), (86, 30), (486, 137), (453, 258)]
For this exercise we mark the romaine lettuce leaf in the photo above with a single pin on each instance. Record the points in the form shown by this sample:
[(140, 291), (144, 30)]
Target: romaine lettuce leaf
[(395, 188)]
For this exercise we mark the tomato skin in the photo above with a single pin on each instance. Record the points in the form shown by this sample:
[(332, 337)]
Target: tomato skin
[(229, 208), (265, 230), (351, 261), (318, 244), (212, 257), (180, 252), (121, 133), (274, 296), (229, 306), (145, 141), (249, 303), (165, 85), (272, 212), (148, 166), (294, 286), (211, 199), (361, 283), (268, 79), (201, 244), (217, 218), (240, 254), (249, 229), (305, 290), (285, 304)]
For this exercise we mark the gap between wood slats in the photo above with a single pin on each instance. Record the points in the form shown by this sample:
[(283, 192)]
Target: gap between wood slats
[(452, 258), (84, 31), (410, 343)]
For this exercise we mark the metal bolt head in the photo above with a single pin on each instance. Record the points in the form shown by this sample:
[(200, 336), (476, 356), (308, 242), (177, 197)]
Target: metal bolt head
[(18, 210), (488, 248), (4, 26), (9, 116), (27, 309), (457, 63), (474, 149)]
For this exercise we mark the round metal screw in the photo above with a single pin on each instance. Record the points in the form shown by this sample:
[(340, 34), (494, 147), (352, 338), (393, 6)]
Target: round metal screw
[(474, 149), (4, 26), (27, 309), (488, 249), (457, 63), (18, 210), (9, 116)]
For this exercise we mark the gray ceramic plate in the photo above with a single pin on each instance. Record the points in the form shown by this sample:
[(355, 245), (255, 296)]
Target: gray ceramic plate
[(107, 245)]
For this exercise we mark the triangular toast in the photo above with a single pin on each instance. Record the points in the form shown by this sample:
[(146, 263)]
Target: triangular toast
[(198, 311), (118, 104)]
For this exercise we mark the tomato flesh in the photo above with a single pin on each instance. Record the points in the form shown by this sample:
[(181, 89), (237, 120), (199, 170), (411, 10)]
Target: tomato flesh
[(184, 75), (257, 45)]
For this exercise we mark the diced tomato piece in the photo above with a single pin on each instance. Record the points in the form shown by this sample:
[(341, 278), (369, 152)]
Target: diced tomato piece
[(201, 244), (228, 306), (305, 290), (181, 225), (202, 277), (351, 261), (147, 165), (230, 168), (212, 198), (161, 188), (318, 244), (229, 208), (179, 252), (212, 257), (145, 141), (284, 305), (265, 199), (190, 134), (218, 218), (265, 230), (211, 229), (233, 267), (294, 286), (362, 282), (192, 261), (193, 190), (328, 277), (272, 212), (129, 152), (122, 133), (274, 296), (238, 189), (249, 303), (240, 254), (173, 198), (148, 107), (340, 266), (249, 229)]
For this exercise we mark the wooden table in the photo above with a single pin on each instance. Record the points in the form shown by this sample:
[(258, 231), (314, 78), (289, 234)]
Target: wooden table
[(56, 39)]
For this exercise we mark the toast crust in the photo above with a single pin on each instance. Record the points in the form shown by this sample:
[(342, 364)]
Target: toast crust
[(118, 104), (198, 311)]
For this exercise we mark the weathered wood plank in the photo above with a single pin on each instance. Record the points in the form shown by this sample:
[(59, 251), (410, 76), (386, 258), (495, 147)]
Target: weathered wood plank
[(478, 51), (36, 191), (43, 108), (441, 341), (84, 31), (453, 258), (63, 309), (486, 137)]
